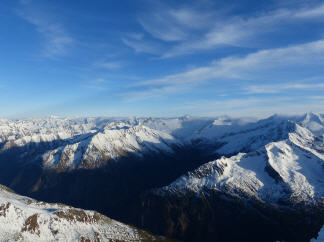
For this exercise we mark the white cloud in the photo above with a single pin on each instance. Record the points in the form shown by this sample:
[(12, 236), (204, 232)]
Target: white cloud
[(244, 68), (255, 89), (172, 33), (311, 13), (169, 24), (197, 30), (140, 46), (166, 24), (226, 35), (317, 97), (57, 39)]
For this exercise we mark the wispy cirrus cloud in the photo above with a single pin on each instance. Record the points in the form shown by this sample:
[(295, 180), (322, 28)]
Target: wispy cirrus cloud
[(317, 97), (243, 68), (141, 46), (246, 67), (192, 30), (261, 89), (165, 24), (57, 39), (239, 31), (173, 24), (314, 12)]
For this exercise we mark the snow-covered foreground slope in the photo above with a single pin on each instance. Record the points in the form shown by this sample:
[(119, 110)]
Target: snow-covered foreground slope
[(25, 219)]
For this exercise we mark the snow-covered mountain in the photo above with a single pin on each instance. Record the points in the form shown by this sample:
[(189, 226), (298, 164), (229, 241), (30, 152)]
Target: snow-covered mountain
[(113, 142), (281, 154), (291, 169), (201, 169), (68, 144), (270, 172), (25, 219)]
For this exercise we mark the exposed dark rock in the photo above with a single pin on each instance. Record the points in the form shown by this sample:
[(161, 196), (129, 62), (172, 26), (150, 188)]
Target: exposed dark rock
[(31, 225), (217, 217)]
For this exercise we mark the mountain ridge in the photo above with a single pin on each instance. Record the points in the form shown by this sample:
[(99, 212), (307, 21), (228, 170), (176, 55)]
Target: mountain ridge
[(271, 170)]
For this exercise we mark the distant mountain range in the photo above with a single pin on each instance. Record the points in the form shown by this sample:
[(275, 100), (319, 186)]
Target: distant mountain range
[(193, 179)]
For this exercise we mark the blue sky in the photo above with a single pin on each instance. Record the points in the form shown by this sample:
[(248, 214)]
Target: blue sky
[(161, 58)]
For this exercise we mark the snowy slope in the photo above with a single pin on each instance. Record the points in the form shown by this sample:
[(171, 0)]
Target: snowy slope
[(70, 143), (314, 122), (114, 141), (25, 219), (290, 170), (48, 129), (188, 128), (67, 144)]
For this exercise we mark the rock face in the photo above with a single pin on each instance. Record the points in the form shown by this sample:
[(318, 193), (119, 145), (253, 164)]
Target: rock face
[(25, 219), (196, 179)]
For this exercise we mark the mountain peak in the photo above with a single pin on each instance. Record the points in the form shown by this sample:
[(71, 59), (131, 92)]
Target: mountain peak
[(315, 117), (314, 122)]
